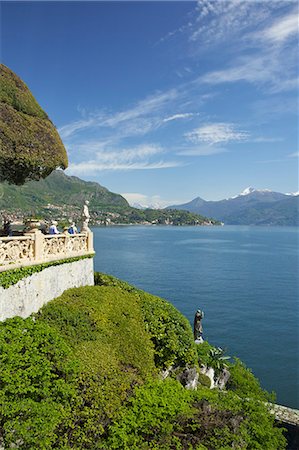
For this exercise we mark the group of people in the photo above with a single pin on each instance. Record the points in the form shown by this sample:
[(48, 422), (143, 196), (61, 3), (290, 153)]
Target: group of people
[(54, 230)]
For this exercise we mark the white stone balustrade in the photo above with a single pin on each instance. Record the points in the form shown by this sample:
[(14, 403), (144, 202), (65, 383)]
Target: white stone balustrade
[(36, 248)]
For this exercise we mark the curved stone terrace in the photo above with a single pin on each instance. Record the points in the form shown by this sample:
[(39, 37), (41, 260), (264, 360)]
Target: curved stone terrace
[(35, 247)]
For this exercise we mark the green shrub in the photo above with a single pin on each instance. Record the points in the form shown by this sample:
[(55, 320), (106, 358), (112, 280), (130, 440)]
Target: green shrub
[(245, 384), (170, 331), (81, 374), (204, 380), (26, 134), (148, 420), (164, 416), (104, 327), (37, 383), (203, 352)]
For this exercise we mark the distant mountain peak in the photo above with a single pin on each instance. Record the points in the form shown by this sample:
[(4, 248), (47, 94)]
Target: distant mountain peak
[(249, 190)]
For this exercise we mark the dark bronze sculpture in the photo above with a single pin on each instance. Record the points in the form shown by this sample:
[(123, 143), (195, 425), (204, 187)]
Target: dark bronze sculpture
[(197, 329)]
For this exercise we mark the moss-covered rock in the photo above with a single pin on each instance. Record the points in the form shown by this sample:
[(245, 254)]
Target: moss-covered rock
[(30, 146)]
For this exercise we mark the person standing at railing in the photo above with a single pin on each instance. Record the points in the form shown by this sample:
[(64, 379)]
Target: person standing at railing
[(53, 228), (72, 229), (7, 227)]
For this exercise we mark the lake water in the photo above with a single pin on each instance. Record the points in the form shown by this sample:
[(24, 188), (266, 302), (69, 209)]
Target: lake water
[(245, 279)]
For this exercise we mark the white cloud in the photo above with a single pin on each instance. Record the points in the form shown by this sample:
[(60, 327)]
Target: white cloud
[(249, 69), (143, 117), (129, 155), (134, 158), (294, 155), (282, 29), (178, 116), (148, 201), (68, 130), (202, 151), (92, 167), (214, 133), (144, 107), (216, 21)]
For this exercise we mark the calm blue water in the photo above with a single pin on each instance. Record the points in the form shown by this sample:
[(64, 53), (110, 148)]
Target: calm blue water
[(244, 278)]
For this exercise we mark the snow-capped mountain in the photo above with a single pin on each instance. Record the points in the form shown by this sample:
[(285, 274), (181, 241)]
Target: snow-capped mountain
[(250, 190), (250, 207), (150, 206)]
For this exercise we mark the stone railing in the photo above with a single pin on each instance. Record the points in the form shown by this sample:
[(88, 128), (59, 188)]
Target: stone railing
[(36, 248)]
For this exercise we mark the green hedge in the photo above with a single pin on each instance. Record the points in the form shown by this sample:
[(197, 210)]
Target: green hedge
[(26, 134), (82, 373), (10, 277), (37, 384), (162, 415), (170, 331)]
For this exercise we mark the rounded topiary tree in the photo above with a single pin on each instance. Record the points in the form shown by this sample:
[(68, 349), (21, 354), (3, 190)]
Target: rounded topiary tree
[(30, 146)]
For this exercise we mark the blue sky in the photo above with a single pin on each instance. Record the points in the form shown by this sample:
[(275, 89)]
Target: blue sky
[(165, 101)]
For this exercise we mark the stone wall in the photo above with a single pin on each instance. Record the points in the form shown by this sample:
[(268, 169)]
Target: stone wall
[(32, 292)]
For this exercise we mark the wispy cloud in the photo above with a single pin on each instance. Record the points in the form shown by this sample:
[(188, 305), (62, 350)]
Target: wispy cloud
[(129, 155), (68, 130), (144, 107), (178, 116), (216, 21), (214, 133), (294, 155), (281, 29), (202, 151), (148, 201), (135, 158), (93, 167), (270, 60), (139, 119)]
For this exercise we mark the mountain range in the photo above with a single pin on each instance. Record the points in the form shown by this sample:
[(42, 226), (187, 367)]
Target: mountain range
[(250, 207), (61, 197)]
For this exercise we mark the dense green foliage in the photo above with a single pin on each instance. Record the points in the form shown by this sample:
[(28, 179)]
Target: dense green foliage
[(163, 415), (11, 277), (30, 146), (170, 331), (243, 383), (83, 373), (37, 383)]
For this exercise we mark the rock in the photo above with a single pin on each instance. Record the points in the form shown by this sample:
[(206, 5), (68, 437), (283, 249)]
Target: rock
[(222, 379), (189, 378), (210, 373)]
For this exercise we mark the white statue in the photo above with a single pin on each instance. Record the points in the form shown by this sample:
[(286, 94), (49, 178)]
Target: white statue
[(85, 216)]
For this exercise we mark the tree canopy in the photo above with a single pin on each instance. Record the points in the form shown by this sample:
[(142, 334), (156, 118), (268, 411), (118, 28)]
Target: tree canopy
[(30, 146)]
